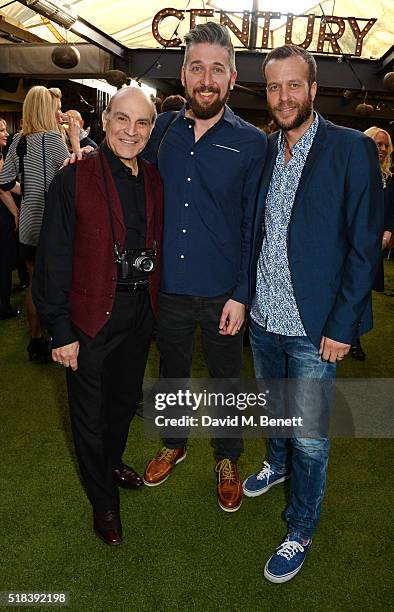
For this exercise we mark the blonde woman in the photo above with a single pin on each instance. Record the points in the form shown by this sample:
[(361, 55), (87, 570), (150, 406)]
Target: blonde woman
[(385, 148), (34, 157)]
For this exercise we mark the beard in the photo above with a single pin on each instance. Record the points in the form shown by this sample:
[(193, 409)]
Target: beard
[(304, 111), (210, 110)]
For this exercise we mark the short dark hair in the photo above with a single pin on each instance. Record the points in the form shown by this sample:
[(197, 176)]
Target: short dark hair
[(212, 33), (281, 53), (172, 103)]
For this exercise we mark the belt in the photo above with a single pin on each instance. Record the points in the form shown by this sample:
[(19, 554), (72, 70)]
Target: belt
[(132, 287)]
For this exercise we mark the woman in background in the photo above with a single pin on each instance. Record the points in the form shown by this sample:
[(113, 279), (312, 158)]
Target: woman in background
[(34, 157), (9, 219), (385, 148)]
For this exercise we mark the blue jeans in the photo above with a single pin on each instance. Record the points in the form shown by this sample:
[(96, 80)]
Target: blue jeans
[(295, 357)]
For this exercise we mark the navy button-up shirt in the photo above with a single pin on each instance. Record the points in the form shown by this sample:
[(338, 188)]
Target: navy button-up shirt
[(274, 306), (210, 189)]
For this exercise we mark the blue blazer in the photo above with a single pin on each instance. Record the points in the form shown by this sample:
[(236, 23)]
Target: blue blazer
[(334, 235)]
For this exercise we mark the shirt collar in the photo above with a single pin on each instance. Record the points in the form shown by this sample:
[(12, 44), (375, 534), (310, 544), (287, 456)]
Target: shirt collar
[(305, 142), (228, 115), (116, 165)]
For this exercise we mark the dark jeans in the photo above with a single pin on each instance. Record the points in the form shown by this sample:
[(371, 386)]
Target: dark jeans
[(178, 317), (295, 357), (104, 393)]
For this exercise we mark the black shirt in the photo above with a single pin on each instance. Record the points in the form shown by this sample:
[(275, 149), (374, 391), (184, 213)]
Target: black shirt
[(52, 275), (132, 198)]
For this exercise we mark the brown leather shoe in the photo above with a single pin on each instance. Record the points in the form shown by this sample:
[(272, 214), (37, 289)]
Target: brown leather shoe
[(229, 485), (108, 527), (128, 478), (161, 466)]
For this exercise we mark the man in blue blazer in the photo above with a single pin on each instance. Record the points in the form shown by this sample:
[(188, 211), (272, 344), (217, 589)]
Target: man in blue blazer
[(315, 254)]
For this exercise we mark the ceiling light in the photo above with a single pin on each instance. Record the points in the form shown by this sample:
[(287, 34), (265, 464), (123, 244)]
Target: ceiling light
[(58, 14)]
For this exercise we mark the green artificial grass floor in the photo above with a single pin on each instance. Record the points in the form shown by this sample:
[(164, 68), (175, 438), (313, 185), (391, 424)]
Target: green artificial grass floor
[(180, 551)]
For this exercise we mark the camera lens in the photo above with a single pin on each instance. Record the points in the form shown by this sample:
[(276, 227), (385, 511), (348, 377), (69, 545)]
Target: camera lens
[(144, 264)]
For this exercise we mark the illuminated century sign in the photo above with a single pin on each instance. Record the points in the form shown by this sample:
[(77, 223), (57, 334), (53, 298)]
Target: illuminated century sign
[(331, 28)]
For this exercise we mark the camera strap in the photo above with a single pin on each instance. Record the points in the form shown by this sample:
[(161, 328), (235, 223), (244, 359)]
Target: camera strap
[(174, 116), (155, 209), (117, 250), (118, 255)]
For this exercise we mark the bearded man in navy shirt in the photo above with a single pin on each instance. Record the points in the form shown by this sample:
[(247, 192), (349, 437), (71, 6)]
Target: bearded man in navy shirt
[(210, 162)]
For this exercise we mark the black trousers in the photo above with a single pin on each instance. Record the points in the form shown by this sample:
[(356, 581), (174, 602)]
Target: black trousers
[(7, 262), (104, 393), (177, 319)]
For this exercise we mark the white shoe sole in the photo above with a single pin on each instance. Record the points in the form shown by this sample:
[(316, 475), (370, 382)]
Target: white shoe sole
[(280, 579), (248, 493), (156, 484), (229, 509)]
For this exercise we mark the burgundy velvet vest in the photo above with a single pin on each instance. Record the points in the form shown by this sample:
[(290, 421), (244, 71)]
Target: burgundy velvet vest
[(94, 269)]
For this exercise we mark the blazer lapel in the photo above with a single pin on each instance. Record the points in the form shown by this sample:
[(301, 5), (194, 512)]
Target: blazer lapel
[(319, 143)]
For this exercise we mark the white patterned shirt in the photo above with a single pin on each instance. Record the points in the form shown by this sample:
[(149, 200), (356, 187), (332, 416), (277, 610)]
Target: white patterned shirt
[(274, 306)]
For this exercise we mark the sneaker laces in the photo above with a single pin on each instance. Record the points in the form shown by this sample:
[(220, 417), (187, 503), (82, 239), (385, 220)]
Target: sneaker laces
[(289, 548), (166, 454), (226, 470), (265, 472)]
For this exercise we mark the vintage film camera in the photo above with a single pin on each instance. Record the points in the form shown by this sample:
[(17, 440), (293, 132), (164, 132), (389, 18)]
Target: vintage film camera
[(143, 260)]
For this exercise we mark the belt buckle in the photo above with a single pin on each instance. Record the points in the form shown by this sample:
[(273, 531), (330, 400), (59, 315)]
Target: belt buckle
[(138, 284), (133, 287)]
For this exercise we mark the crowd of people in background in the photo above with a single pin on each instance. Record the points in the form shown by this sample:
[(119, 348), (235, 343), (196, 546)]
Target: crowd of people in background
[(384, 146), (35, 154)]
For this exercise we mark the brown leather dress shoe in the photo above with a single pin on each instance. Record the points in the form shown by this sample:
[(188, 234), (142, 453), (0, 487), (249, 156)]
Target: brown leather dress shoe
[(160, 467), (229, 485), (127, 478), (108, 527)]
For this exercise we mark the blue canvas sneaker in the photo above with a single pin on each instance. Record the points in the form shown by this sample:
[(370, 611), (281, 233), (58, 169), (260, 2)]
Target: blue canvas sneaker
[(288, 559), (262, 481)]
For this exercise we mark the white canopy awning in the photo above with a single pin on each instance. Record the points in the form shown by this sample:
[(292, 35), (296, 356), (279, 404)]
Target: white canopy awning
[(130, 22)]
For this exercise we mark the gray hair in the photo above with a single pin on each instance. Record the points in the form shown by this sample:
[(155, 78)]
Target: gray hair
[(121, 91), (212, 33), (286, 51)]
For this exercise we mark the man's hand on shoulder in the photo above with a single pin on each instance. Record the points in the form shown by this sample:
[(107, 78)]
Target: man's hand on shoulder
[(67, 355), (232, 319), (77, 156), (332, 350)]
